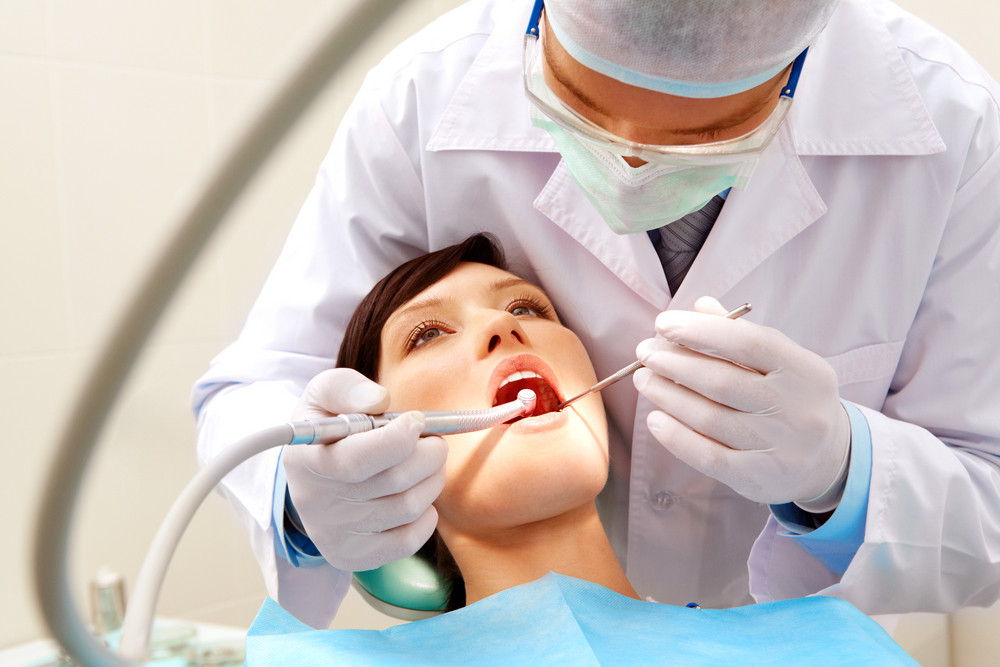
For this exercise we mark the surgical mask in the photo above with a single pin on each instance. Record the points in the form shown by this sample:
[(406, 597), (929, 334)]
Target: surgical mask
[(638, 199)]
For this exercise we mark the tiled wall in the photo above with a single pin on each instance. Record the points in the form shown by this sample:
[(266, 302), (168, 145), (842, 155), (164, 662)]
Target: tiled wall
[(107, 110)]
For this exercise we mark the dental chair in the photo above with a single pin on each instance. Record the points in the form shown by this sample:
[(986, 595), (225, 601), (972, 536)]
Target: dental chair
[(409, 589)]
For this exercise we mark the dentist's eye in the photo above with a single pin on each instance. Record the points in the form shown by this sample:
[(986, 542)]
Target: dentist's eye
[(424, 333)]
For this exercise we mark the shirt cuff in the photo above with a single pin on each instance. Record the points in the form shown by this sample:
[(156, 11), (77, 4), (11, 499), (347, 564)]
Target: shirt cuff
[(835, 540), (289, 542)]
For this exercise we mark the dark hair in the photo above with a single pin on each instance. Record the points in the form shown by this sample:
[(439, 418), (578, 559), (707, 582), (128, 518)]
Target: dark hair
[(361, 347)]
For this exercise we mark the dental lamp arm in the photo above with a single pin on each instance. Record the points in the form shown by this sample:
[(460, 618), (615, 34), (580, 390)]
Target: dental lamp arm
[(338, 35)]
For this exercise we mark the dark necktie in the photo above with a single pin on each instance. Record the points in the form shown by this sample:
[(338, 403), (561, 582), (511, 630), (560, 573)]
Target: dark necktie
[(678, 243)]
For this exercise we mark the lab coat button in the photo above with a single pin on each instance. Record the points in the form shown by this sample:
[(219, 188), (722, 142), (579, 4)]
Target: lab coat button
[(663, 500)]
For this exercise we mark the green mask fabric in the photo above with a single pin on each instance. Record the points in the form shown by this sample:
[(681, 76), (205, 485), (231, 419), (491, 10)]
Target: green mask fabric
[(639, 199)]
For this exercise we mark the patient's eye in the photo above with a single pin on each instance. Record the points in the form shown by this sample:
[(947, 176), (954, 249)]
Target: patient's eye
[(424, 333), (529, 306)]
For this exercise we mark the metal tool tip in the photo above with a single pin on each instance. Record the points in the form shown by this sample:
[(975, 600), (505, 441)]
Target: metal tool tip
[(739, 311), (527, 398)]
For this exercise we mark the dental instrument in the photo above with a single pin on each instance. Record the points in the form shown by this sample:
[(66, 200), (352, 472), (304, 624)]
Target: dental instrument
[(142, 603), (338, 34), (442, 422), (733, 314)]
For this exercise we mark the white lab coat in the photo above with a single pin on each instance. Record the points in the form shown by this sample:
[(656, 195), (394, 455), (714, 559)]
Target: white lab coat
[(868, 234)]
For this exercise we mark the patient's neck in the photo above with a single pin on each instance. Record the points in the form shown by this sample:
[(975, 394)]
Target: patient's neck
[(572, 544)]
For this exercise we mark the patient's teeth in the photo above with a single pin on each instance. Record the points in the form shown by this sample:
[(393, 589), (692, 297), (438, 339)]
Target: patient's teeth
[(520, 375)]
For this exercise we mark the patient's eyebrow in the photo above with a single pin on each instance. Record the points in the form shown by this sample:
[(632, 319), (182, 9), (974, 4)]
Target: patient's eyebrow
[(431, 303), (420, 304), (512, 281)]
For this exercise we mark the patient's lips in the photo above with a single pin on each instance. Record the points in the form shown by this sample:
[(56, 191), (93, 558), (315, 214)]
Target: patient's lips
[(526, 371)]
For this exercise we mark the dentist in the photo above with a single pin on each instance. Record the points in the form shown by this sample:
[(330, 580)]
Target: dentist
[(833, 163)]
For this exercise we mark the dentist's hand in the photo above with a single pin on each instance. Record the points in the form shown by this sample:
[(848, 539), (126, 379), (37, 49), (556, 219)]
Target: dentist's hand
[(366, 500), (744, 404)]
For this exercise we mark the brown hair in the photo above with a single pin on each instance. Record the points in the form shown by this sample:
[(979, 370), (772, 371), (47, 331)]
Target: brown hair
[(362, 339), (361, 348)]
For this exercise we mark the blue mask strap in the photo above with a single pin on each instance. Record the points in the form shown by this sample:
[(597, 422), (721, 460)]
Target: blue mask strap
[(793, 77), (536, 15)]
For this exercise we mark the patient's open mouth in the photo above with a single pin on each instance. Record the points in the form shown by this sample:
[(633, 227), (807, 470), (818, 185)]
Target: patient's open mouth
[(546, 397)]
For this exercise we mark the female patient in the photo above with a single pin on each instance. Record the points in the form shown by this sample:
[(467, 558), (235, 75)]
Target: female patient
[(455, 330)]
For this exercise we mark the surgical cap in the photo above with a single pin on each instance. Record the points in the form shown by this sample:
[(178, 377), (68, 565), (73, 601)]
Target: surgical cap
[(691, 48)]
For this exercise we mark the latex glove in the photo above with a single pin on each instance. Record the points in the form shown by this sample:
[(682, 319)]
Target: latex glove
[(364, 501), (745, 405)]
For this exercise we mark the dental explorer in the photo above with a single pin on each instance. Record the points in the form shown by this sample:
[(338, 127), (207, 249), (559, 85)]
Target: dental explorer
[(733, 314)]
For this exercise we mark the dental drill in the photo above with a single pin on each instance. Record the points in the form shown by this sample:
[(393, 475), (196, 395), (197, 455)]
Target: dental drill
[(331, 429), (138, 624)]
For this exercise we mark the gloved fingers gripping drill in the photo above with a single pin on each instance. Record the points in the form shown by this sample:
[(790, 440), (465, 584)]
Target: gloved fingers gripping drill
[(744, 404), (366, 500)]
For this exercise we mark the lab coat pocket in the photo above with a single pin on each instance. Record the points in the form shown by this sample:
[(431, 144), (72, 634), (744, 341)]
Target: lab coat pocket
[(865, 373)]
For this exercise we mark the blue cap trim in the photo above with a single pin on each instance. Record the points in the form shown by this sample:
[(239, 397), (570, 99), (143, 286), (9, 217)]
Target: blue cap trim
[(694, 89)]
